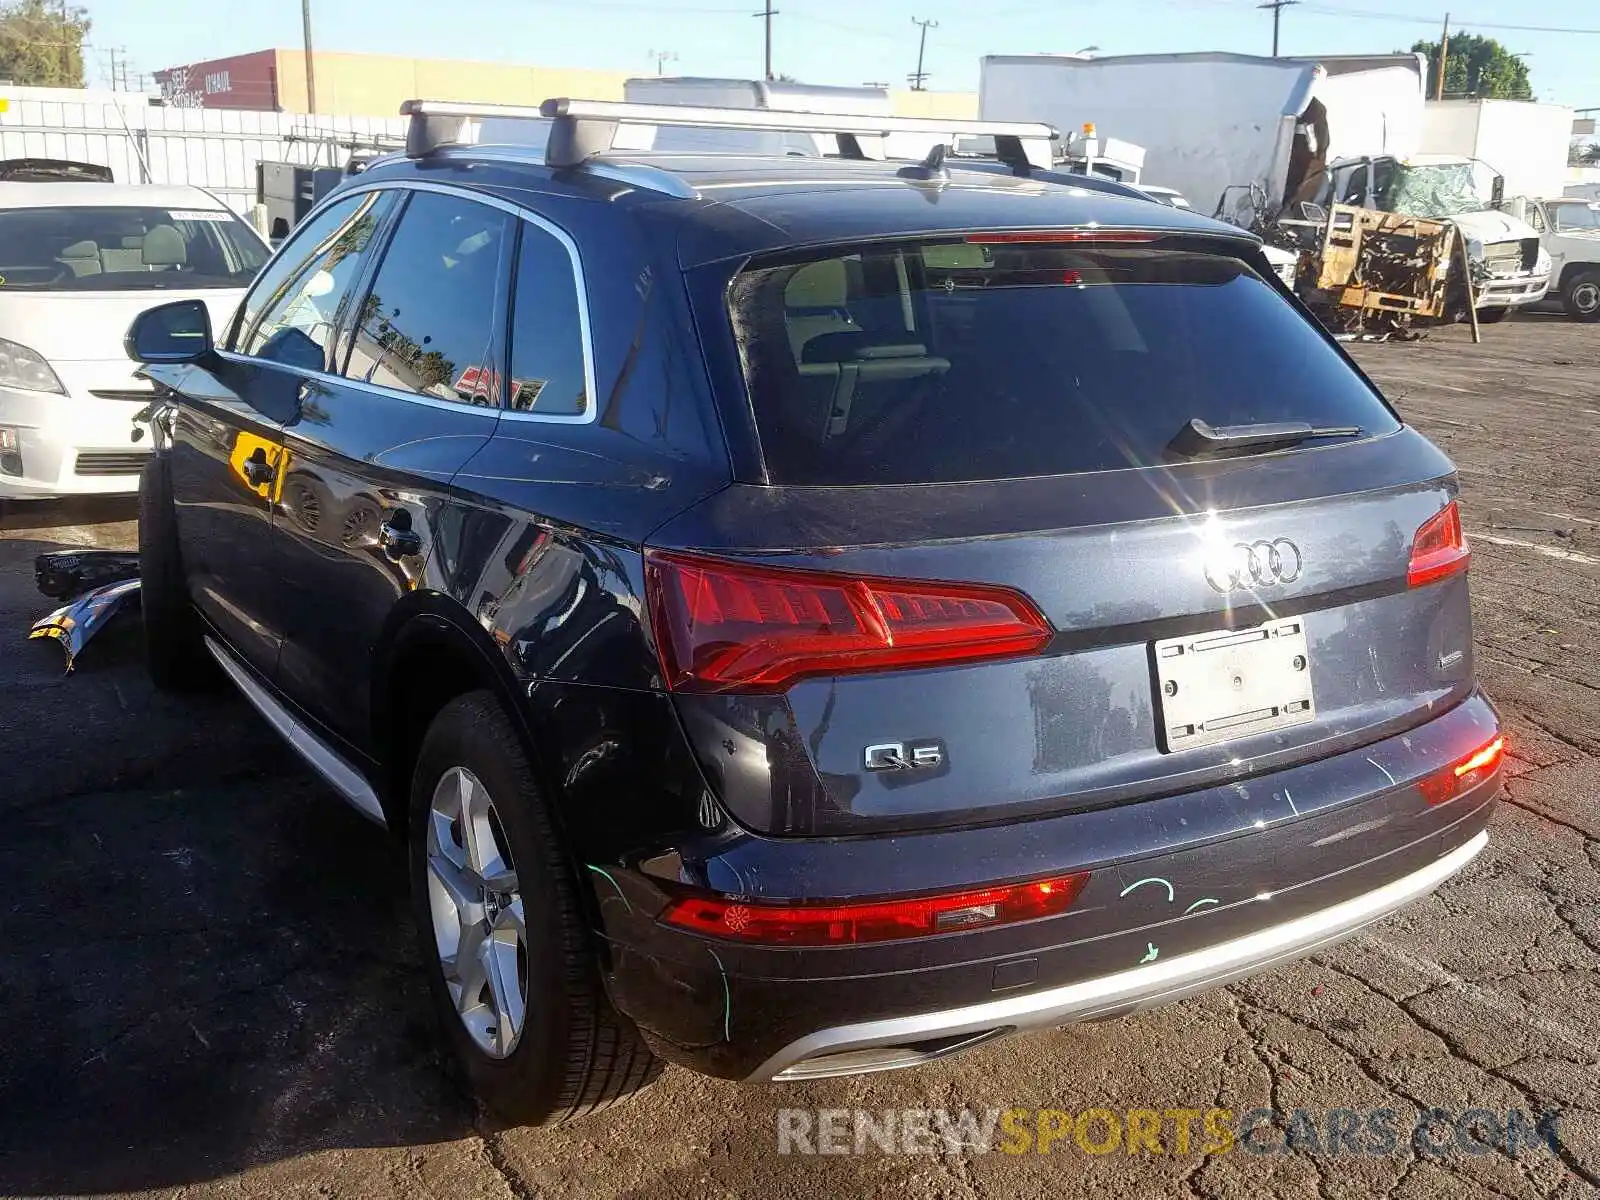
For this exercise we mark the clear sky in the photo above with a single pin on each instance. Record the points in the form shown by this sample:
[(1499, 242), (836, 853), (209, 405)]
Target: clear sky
[(840, 41)]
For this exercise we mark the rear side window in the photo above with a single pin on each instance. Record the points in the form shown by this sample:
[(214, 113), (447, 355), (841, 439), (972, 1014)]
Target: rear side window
[(298, 298), (964, 360), (547, 375), (427, 325)]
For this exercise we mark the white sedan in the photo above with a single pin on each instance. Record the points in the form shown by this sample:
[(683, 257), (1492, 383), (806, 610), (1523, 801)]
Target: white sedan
[(78, 261)]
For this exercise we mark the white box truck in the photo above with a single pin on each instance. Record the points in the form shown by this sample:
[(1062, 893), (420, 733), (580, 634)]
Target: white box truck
[(1211, 122), (1527, 143)]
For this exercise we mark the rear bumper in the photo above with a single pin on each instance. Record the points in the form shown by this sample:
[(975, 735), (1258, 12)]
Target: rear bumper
[(1185, 893), (839, 1050)]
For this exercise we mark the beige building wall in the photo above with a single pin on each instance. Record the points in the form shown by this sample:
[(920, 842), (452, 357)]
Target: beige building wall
[(373, 85)]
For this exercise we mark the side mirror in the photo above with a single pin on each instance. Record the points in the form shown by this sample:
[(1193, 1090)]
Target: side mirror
[(1497, 197), (1313, 212), (280, 229), (179, 332)]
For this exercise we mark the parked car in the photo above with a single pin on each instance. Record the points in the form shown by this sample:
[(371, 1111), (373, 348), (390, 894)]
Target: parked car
[(78, 261), (1569, 229), (53, 170), (812, 616)]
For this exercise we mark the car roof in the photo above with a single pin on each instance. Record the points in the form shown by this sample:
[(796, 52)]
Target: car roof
[(86, 194), (734, 205)]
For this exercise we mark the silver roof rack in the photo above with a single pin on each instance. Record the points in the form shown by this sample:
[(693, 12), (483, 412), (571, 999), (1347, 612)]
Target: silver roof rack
[(585, 129)]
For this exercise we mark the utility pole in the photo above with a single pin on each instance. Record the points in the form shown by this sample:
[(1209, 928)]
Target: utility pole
[(919, 77), (766, 14), (66, 49), (1277, 7), (1444, 57), (662, 57), (311, 67)]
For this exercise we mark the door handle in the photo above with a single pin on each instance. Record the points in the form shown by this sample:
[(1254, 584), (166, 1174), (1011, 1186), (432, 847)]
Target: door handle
[(258, 471), (397, 539)]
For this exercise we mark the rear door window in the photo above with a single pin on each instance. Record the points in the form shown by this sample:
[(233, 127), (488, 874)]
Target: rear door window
[(427, 325), (958, 360)]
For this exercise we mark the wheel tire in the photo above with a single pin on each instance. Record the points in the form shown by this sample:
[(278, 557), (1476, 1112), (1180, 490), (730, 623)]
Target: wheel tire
[(174, 652), (1581, 297), (574, 1053), (1493, 316)]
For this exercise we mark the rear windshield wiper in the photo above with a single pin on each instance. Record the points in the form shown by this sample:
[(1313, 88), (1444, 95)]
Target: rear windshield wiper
[(1197, 439)]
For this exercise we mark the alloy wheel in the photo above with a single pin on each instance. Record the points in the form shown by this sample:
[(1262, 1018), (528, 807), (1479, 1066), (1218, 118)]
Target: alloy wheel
[(479, 923)]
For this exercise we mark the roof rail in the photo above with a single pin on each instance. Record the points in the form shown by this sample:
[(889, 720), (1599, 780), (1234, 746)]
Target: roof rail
[(584, 129)]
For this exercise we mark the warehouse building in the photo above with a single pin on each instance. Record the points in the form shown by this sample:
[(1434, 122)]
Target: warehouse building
[(373, 85)]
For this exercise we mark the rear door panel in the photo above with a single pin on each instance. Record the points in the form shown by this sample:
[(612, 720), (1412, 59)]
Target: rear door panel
[(374, 447)]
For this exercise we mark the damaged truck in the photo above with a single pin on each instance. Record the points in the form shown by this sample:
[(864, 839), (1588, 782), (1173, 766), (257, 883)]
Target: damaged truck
[(1508, 268), (1318, 156)]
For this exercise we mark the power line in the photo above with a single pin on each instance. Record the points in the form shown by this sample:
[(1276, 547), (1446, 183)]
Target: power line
[(919, 77), (1459, 22)]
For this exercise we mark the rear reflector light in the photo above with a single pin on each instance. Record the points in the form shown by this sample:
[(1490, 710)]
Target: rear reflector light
[(874, 921), (724, 626), (1439, 549), (1451, 781), (1062, 235)]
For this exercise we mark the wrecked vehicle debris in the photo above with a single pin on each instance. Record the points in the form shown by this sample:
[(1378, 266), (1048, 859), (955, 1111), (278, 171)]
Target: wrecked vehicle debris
[(1383, 270), (63, 574), (74, 624)]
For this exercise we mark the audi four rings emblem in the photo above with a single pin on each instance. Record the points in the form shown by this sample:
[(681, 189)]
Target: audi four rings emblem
[(1254, 565)]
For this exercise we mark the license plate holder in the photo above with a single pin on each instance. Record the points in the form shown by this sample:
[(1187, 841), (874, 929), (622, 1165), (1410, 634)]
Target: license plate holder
[(1230, 683)]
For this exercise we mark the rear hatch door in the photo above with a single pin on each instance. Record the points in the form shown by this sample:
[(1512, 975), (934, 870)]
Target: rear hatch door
[(1009, 411)]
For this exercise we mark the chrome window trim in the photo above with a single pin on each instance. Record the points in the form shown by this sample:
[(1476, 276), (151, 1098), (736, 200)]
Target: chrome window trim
[(521, 213)]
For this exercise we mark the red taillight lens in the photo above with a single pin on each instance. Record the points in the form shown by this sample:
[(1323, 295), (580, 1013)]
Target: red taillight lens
[(1439, 549), (873, 921), (1124, 236), (1462, 776), (728, 627)]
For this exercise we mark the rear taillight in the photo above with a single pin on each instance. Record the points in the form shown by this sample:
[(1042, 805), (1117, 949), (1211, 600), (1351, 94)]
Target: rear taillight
[(1465, 774), (876, 920), (724, 626), (1439, 549)]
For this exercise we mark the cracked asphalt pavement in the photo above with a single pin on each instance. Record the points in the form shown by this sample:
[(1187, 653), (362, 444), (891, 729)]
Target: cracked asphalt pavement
[(207, 985)]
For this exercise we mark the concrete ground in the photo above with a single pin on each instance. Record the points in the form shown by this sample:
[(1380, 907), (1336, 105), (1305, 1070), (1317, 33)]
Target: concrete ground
[(207, 985)]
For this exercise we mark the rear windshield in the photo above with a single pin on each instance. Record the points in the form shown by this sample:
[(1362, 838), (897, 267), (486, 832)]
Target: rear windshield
[(955, 360), (103, 249)]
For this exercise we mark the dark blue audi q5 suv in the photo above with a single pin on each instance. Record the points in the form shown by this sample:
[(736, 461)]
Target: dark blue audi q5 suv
[(811, 615)]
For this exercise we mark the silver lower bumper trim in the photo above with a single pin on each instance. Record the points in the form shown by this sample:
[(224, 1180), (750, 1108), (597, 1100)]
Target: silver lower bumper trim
[(1159, 982)]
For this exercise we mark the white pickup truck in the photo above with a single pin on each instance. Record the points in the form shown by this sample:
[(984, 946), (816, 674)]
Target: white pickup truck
[(1569, 231)]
